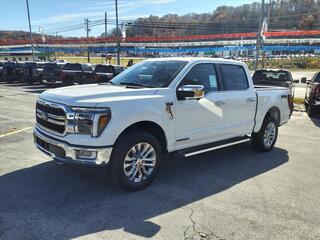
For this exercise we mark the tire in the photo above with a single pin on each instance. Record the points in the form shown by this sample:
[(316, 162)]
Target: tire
[(311, 110), (264, 143), (27, 72), (124, 152)]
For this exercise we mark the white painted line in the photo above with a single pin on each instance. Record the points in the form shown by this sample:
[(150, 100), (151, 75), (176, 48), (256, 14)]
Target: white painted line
[(11, 133)]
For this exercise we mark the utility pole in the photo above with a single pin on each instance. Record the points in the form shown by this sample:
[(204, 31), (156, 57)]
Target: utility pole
[(54, 49), (258, 46), (105, 24), (87, 29), (118, 35), (32, 48)]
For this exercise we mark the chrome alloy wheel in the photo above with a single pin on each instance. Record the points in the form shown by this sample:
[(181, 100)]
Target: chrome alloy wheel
[(139, 162), (269, 134)]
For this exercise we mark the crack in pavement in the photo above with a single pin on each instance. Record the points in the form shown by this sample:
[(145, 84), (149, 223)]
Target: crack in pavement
[(198, 231)]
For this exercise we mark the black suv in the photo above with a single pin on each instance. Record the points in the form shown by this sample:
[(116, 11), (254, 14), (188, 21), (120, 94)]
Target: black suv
[(51, 73), (8, 72), (32, 72), (77, 73), (312, 98), (104, 73), (1, 73)]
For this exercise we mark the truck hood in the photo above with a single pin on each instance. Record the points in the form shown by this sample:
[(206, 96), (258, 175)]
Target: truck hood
[(93, 94)]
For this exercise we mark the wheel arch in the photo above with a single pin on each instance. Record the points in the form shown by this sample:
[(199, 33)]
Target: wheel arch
[(151, 128), (274, 112)]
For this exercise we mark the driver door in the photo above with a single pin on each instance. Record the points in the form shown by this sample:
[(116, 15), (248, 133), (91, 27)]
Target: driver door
[(201, 121)]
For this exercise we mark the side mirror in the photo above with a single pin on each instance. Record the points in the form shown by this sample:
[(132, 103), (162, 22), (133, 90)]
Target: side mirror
[(190, 92), (308, 82), (304, 80), (296, 81)]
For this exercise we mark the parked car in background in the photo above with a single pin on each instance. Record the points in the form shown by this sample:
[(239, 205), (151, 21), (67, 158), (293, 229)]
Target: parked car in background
[(51, 73), (77, 73), (8, 71), (274, 77), (312, 97), (104, 72), (32, 72), (1, 68), (169, 105), (19, 71)]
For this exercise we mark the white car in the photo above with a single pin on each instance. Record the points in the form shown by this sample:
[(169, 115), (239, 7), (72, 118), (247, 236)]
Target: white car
[(172, 105)]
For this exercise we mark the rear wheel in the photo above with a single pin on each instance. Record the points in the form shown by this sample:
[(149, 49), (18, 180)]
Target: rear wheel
[(265, 139), (311, 110), (135, 160)]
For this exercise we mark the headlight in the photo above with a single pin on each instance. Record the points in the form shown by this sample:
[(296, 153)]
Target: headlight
[(91, 121)]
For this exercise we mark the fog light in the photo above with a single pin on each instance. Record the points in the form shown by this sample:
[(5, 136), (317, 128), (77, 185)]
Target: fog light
[(82, 154)]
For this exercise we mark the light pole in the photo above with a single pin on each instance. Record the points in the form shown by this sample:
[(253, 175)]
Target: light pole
[(32, 48), (87, 29), (118, 35), (258, 46)]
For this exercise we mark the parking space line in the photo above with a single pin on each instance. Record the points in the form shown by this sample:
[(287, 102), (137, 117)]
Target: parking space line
[(11, 133)]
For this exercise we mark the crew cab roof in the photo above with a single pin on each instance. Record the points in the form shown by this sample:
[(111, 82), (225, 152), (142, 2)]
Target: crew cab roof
[(198, 59)]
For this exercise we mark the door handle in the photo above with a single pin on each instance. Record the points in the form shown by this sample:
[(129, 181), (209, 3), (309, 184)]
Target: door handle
[(219, 103), (249, 100)]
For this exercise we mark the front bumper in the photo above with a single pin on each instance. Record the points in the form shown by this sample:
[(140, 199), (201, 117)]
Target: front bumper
[(65, 153)]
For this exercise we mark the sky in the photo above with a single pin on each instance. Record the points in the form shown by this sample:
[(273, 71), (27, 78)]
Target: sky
[(50, 14)]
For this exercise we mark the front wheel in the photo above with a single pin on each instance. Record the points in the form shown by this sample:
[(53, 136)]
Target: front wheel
[(135, 160), (265, 139)]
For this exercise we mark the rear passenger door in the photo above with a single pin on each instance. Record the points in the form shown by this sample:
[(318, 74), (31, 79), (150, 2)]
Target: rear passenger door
[(241, 100)]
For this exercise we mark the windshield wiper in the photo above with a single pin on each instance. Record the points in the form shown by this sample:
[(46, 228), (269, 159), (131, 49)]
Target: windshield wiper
[(132, 84)]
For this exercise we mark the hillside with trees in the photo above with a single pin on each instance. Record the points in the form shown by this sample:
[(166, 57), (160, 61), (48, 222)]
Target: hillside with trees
[(282, 14)]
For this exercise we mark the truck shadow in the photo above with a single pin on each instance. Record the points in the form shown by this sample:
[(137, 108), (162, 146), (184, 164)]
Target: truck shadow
[(49, 201)]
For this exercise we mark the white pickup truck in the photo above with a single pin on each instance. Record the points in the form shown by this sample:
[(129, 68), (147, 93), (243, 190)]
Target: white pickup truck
[(183, 105)]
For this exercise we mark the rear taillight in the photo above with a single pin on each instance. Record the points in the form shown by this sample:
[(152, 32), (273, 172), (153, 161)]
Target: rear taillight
[(97, 77), (61, 74)]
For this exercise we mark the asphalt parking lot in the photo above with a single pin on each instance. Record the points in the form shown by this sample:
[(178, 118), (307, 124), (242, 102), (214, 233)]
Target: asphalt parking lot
[(232, 193)]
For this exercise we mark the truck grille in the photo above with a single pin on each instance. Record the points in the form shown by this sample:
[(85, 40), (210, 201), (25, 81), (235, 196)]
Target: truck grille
[(51, 117)]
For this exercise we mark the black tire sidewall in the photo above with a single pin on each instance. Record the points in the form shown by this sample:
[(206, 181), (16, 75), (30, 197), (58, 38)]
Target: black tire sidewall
[(262, 130), (120, 150)]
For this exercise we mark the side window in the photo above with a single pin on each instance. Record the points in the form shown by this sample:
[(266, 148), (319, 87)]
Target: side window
[(234, 77), (202, 74)]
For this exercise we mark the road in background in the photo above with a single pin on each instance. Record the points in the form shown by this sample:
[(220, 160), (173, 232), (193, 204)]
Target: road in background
[(232, 193)]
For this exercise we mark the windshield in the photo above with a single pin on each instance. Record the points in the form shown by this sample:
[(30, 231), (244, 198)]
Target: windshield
[(104, 69), (150, 74), (269, 75), (317, 78), (72, 66)]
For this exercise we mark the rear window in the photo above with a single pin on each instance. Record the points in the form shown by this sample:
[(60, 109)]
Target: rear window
[(234, 77), (72, 66), (104, 69), (269, 75)]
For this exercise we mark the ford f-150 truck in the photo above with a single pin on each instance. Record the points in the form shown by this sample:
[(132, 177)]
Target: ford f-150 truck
[(186, 106)]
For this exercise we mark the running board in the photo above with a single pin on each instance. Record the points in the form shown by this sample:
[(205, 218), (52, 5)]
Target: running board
[(213, 146)]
